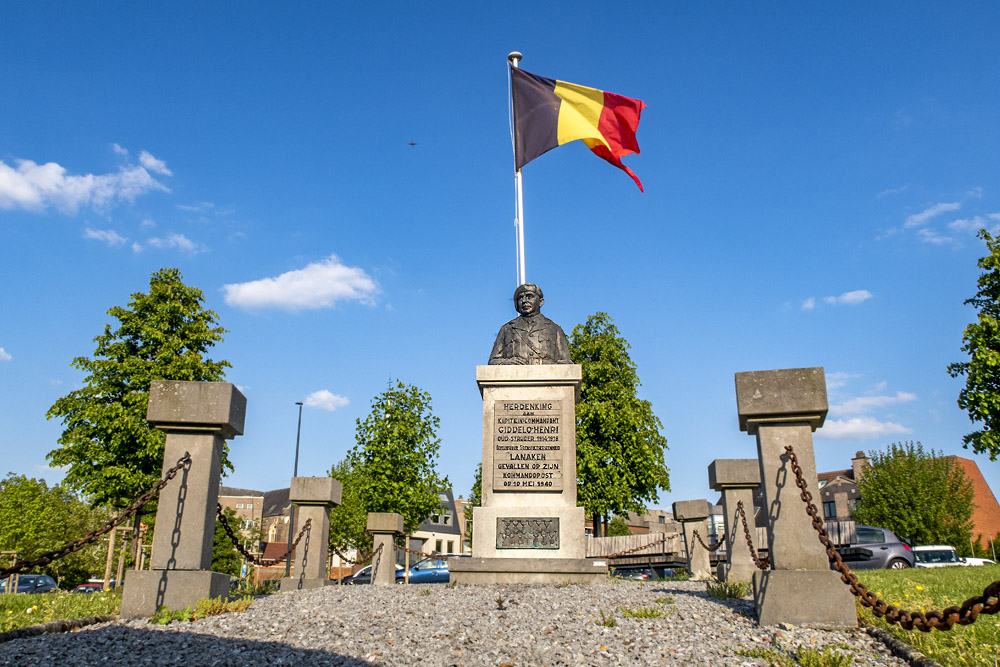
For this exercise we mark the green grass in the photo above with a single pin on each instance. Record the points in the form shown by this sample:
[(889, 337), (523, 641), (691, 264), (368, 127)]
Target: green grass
[(936, 588), (19, 611), (645, 612), (807, 657), (724, 590)]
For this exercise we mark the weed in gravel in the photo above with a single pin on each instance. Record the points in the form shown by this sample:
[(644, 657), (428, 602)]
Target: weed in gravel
[(643, 612), (664, 599), (500, 602), (426, 591), (725, 590), (678, 575), (247, 587), (806, 657), (450, 584), (164, 616), (608, 621)]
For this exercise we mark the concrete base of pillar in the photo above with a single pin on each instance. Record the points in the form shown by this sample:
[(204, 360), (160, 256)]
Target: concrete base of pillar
[(736, 572), (145, 591), (527, 570), (810, 598), (296, 584)]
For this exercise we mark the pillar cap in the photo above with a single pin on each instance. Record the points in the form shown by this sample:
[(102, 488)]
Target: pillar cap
[(733, 474), (385, 522), (315, 491), (787, 395), (176, 405), (691, 510)]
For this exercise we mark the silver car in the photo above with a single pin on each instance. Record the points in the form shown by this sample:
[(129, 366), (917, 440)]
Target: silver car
[(875, 549)]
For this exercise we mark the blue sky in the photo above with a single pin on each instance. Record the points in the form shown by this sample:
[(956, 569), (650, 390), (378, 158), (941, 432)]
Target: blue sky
[(814, 179)]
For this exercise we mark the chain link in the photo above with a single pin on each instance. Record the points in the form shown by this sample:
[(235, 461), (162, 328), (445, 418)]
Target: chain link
[(761, 564), (256, 560), (702, 542), (70, 547), (923, 621)]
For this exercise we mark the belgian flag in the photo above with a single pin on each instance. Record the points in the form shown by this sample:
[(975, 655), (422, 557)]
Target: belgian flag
[(550, 113)]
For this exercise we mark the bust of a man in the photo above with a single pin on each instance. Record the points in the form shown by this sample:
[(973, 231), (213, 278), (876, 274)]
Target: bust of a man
[(531, 338)]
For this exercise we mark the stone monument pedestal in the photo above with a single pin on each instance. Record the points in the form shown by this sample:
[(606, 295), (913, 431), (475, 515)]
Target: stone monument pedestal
[(384, 526), (692, 515), (198, 418), (529, 529), (736, 479), (314, 497), (784, 407)]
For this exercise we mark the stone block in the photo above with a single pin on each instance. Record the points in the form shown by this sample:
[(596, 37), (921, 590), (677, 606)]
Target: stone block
[(548, 375), (812, 599), (527, 570), (145, 591), (733, 473), (572, 541), (196, 406), (788, 395), (385, 522), (315, 491), (692, 510)]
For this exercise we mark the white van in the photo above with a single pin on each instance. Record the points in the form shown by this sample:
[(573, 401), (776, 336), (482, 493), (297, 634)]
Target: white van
[(936, 555)]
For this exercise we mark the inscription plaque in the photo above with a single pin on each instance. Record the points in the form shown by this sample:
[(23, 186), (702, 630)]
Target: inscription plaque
[(528, 533), (527, 446)]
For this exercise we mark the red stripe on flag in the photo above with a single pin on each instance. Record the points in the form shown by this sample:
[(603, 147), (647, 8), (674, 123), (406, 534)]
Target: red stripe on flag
[(618, 123)]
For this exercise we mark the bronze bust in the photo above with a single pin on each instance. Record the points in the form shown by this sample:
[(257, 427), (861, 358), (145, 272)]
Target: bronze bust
[(531, 338)]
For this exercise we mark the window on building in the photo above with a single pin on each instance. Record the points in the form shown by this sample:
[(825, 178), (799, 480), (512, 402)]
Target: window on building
[(435, 518), (830, 509), (239, 506), (446, 519), (662, 519), (451, 546), (852, 504), (437, 546)]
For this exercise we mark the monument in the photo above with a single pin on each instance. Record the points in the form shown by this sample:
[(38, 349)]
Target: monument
[(784, 407), (529, 528), (315, 497), (692, 515), (198, 418)]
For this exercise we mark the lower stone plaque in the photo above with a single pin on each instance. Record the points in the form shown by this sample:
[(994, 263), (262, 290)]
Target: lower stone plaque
[(528, 533)]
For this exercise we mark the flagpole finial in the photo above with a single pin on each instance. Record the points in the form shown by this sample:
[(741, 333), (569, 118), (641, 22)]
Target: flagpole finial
[(513, 57)]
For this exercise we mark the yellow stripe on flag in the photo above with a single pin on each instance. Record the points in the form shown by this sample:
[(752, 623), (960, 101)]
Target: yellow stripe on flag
[(579, 113)]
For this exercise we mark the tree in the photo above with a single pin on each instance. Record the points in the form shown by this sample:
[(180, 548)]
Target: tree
[(35, 517), (618, 528), (619, 449), (921, 496), (981, 341), (111, 453), (475, 500), (349, 519), (225, 558), (395, 456)]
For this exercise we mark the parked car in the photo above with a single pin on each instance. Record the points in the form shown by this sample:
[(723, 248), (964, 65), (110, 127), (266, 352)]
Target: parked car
[(978, 561), (364, 576), (876, 548), (31, 583), (431, 570), (937, 555), (634, 573), (88, 588)]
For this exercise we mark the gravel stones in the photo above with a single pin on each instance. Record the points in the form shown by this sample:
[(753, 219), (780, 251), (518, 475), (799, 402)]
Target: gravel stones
[(465, 625)]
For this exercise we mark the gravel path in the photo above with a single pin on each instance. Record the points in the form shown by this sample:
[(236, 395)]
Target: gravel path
[(435, 625)]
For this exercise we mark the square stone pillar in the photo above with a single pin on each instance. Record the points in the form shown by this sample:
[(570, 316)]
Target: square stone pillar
[(198, 418), (692, 514), (384, 526), (736, 479), (784, 407), (314, 496)]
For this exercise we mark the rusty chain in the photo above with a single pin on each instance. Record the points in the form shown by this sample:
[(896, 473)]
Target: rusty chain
[(761, 564), (702, 542), (127, 513), (262, 562), (924, 621)]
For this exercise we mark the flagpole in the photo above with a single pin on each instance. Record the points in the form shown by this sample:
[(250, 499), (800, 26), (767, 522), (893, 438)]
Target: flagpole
[(513, 57)]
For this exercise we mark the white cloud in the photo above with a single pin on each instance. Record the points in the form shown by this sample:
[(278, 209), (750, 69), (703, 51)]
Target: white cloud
[(109, 236), (178, 241), (4, 356), (136, 246), (861, 404), (931, 236), (33, 187), (325, 400), (155, 165), (319, 285), (849, 298), (973, 224), (893, 191), (839, 379), (197, 208), (147, 223), (976, 192), (809, 303), (859, 428), (121, 150), (918, 219)]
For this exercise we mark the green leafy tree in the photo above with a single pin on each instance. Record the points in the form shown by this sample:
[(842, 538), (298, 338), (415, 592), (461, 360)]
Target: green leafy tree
[(110, 451), (225, 558), (618, 528), (35, 517), (349, 519), (619, 450), (921, 496), (394, 460), (981, 341), (475, 500)]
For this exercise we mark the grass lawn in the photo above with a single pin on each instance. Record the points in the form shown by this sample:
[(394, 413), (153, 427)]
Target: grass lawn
[(19, 611), (936, 588)]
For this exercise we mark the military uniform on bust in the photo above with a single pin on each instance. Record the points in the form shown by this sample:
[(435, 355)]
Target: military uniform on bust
[(531, 338)]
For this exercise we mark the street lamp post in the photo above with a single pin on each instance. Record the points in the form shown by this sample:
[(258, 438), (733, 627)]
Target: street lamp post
[(291, 511)]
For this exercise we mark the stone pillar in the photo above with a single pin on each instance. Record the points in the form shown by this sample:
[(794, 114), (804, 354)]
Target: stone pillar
[(784, 407), (384, 526), (692, 515), (198, 418), (736, 479), (314, 496)]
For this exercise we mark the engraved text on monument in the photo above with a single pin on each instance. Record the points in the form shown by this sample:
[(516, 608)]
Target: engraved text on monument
[(527, 446)]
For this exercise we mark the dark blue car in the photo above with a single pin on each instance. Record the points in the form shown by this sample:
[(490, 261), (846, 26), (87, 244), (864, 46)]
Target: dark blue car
[(432, 570), (31, 583)]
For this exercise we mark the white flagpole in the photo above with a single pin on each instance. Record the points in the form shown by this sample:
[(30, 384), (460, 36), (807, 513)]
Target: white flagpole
[(513, 57)]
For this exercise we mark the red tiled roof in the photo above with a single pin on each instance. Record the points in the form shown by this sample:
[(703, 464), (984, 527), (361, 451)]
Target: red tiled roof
[(274, 550), (986, 515), (829, 476)]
